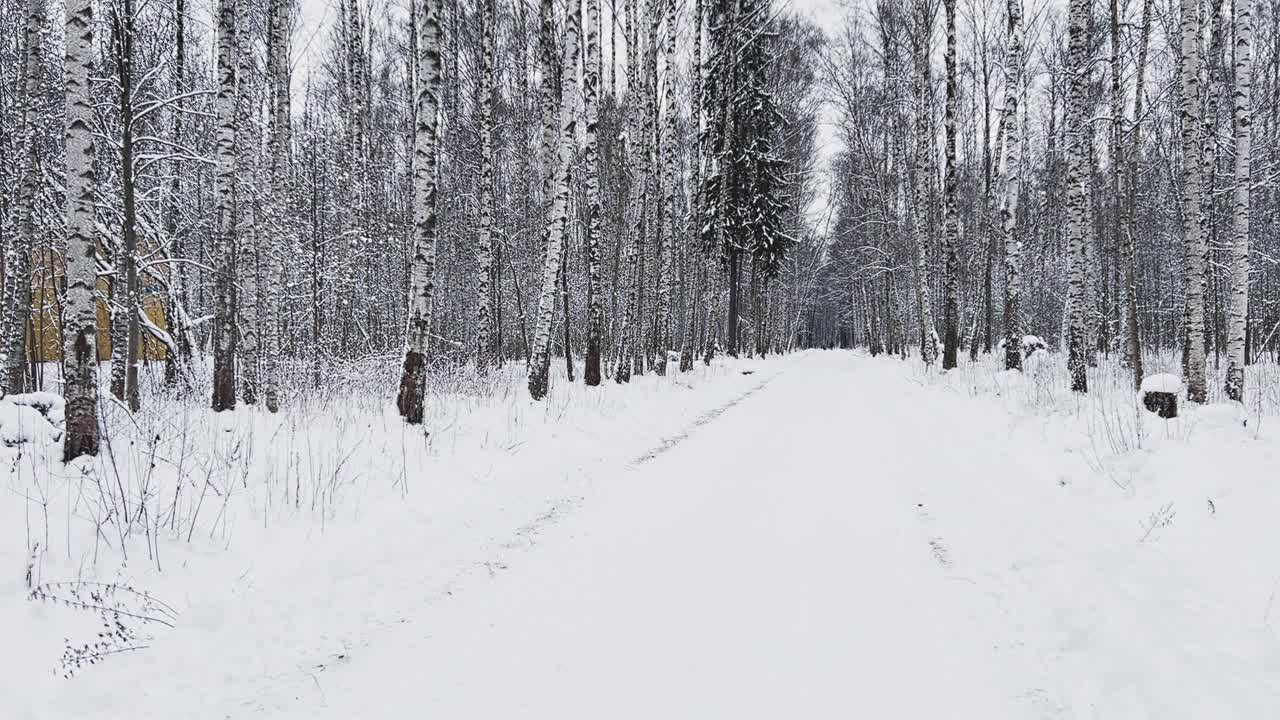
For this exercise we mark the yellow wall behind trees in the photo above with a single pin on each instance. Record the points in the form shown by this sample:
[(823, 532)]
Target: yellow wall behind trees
[(44, 334)]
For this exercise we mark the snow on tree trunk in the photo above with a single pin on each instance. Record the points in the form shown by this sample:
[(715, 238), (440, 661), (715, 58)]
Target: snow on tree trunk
[(128, 334), (224, 104), (279, 76), (484, 234), (1133, 331), (667, 176), (1011, 185), (177, 364), (413, 378), (951, 223), (920, 182), (1238, 299), (17, 261), (80, 323), (1077, 168), (700, 264), (540, 361), (1193, 231), (591, 101), (246, 200)]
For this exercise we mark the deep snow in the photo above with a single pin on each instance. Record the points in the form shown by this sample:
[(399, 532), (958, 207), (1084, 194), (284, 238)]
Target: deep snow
[(831, 536)]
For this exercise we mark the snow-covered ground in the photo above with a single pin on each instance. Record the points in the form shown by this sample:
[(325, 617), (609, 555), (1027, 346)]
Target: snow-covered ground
[(832, 535)]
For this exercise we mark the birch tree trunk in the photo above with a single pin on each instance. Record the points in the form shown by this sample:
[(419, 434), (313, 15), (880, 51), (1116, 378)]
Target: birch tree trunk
[(80, 322), (1193, 237), (666, 246), (923, 170), (484, 235), (126, 337), (177, 364), (1132, 329), (246, 202), (1077, 201), (413, 378), (540, 362), (17, 261), (279, 72), (591, 101), (1011, 187), (951, 223), (1238, 311), (224, 103)]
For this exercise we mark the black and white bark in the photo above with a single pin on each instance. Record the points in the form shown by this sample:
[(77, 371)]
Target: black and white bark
[(1011, 188), (79, 332), (17, 260), (1077, 201), (591, 105), (540, 362), (279, 242), (413, 378), (1238, 284), (922, 172), (951, 220), (485, 356), (1192, 197), (224, 104)]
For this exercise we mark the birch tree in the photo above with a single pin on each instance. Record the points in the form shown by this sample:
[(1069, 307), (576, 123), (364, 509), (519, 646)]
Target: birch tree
[(1193, 237), (1238, 312), (413, 377), (1011, 186), (1077, 169), (922, 37), (484, 235), (17, 261), (539, 365), (224, 336), (951, 222), (666, 247), (246, 208), (79, 332), (278, 71), (1133, 329), (591, 101)]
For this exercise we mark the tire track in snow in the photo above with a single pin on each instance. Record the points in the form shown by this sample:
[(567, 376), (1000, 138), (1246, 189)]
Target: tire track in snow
[(672, 441), (528, 535)]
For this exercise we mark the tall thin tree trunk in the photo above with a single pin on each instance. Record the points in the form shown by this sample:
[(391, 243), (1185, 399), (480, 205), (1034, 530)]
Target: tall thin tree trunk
[(951, 223), (127, 261), (920, 181), (177, 363), (1238, 312), (667, 177), (1133, 330), (277, 246), (413, 378), (80, 323), (591, 101), (1011, 186), (484, 235), (1077, 201), (247, 234), (539, 365), (224, 368), (1193, 232), (17, 261)]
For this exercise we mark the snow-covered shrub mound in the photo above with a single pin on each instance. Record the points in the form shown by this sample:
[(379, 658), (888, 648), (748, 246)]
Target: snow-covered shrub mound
[(1030, 345), (1162, 383), (31, 418), (1221, 416)]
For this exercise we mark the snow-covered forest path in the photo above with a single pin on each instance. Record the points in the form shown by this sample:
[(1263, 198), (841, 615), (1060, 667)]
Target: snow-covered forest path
[(775, 563)]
